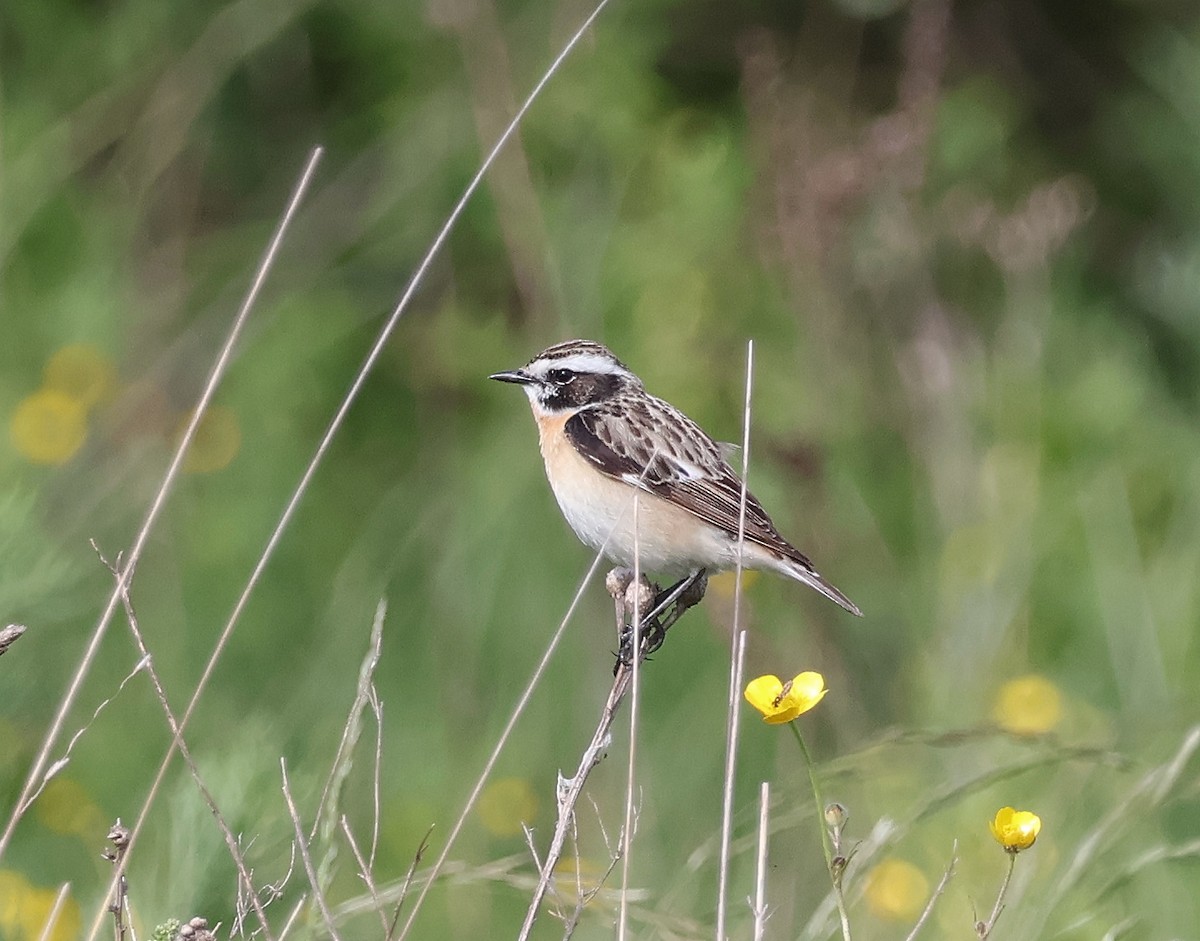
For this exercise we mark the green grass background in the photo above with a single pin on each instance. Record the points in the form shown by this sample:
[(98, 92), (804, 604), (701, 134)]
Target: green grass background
[(966, 242)]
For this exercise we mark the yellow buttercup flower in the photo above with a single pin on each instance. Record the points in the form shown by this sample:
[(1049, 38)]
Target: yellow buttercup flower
[(724, 584), (506, 804), (48, 426), (1028, 705), (217, 442), (25, 910), (82, 372), (1016, 830), (896, 890), (65, 807), (781, 702)]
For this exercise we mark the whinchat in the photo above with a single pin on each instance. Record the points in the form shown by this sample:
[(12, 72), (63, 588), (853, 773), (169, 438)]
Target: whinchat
[(605, 438)]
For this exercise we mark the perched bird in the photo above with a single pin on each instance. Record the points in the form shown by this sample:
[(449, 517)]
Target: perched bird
[(603, 437)]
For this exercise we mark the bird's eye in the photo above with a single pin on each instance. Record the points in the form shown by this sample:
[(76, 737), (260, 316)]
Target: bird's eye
[(560, 376)]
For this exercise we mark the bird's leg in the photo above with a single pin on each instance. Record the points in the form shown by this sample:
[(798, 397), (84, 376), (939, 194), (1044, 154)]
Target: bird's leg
[(671, 603), (631, 598)]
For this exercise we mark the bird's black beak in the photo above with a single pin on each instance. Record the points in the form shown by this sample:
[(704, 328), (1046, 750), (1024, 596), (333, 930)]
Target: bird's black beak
[(519, 376)]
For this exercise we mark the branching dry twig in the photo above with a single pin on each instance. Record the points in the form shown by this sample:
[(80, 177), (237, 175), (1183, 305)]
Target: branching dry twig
[(118, 836), (173, 723), (302, 846), (9, 635), (364, 872), (627, 596)]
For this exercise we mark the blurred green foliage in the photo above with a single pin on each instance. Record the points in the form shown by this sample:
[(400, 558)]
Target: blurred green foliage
[(966, 242)]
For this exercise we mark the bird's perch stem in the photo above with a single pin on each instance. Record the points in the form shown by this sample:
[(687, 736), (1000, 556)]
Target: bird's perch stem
[(665, 609)]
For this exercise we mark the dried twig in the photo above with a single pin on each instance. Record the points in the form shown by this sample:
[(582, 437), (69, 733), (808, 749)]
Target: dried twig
[(118, 836), (9, 635), (302, 846), (628, 595)]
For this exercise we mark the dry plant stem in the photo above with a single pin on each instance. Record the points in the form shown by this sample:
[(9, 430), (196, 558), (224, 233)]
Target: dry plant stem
[(160, 498), (364, 872), (173, 724), (55, 910), (518, 709), (325, 819), (937, 894), (736, 669), (340, 768), (759, 903), (408, 878), (9, 635), (826, 843), (626, 844), (569, 795), (302, 845), (984, 929), (118, 835), (291, 919), (737, 657)]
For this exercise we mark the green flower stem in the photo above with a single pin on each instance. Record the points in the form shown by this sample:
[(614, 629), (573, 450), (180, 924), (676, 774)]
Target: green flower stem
[(835, 878)]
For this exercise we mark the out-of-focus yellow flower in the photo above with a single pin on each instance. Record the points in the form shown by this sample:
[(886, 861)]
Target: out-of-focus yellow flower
[(217, 441), (13, 887), (25, 910), (1028, 705), (35, 913), (65, 807), (506, 804), (48, 427), (896, 890), (724, 583), (83, 372), (781, 702), (1016, 830)]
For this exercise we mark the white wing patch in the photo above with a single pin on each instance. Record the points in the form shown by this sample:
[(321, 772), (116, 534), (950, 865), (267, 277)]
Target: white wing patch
[(685, 469)]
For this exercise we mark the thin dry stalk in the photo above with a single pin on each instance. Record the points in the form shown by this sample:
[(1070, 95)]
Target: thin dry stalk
[(364, 872), (352, 729), (376, 775), (735, 683), (65, 759), (160, 498), (630, 779), (758, 904), (302, 846), (291, 919), (937, 893), (737, 660), (160, 693), (325, 819), (55, 911), (407, 884)]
